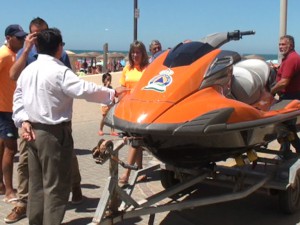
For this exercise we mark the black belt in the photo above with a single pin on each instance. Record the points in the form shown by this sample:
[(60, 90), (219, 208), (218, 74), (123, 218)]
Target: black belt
[(43, 125)]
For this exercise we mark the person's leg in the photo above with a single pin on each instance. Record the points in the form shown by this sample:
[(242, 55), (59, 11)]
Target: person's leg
[(55, 146), (19, 211), (104, 110), (132, 154), (139, 162), (2, 185), (295, 139), (35, 206), (8, 136), (100, 132), (10, 149), (76, 179), (23, 176), (139, 158)]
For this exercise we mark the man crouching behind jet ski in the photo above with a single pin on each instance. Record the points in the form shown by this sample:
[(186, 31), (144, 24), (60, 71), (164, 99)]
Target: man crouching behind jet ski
[(288, 82)]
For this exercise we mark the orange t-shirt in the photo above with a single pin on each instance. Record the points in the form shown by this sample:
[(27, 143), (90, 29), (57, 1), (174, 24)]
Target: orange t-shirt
[(8, 86)]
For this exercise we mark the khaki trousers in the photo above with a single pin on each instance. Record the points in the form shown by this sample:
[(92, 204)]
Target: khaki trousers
[(49, 165), (23, 177)]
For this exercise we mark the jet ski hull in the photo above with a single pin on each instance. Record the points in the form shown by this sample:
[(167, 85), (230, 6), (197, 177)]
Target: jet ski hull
[(197, 104)]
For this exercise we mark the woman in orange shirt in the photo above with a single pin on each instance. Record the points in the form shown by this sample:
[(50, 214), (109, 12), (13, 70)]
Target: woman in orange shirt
[(138, 61)]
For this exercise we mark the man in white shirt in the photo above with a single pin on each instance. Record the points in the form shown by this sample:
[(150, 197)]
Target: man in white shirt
[(42, 107)]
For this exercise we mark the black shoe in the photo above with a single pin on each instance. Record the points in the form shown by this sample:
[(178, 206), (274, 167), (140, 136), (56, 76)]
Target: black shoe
[(77, 197)]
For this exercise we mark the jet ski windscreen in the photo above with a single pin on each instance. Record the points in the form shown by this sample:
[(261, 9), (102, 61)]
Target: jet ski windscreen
[(186, 53)]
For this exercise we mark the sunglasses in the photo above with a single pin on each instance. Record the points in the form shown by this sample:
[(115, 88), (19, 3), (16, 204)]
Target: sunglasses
[(156, 49)]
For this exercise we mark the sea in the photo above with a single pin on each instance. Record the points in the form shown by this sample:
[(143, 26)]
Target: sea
[(101, 52), (267, 57)]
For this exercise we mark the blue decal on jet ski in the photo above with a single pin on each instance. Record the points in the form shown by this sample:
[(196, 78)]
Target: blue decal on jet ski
[(161, 81)]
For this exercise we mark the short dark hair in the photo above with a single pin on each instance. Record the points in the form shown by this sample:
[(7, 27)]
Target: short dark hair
[(48, 41), (104, 76), (39, 22)]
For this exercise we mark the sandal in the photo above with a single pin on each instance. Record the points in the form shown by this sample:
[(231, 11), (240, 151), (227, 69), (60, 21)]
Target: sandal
[(123, 180), (142, 178), (114, 134)]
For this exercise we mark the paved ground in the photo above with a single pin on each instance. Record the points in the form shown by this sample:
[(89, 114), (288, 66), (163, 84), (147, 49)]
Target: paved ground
[(257, 209)]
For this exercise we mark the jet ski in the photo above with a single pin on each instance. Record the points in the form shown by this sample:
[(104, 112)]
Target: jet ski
[(198, 104)]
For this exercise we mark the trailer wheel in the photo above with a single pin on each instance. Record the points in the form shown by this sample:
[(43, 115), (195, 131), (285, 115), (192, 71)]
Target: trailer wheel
[(289, 200), (168, 179)]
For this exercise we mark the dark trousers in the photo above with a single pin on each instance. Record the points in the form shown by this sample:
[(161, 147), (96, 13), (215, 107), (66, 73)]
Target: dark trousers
[(291, 125), (49, 161)]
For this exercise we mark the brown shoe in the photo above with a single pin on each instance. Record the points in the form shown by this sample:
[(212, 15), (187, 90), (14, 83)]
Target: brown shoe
[(17, 213), (77, 197)]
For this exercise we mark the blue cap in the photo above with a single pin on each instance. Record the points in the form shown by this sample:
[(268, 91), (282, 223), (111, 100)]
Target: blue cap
[(15, 30)]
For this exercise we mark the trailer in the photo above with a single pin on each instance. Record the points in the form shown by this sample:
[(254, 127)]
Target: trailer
[(260, 168)]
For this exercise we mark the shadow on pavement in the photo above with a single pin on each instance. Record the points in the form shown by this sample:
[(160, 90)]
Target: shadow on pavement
[(257, 209), (83, 152), (88, 205), (89, 186), (85, 220)]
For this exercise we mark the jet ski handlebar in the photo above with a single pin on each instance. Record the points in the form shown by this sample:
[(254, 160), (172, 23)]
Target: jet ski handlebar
[(237, 35), (216, 40)]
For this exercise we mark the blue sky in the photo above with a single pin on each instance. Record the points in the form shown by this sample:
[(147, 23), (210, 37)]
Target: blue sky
[(87, 25)]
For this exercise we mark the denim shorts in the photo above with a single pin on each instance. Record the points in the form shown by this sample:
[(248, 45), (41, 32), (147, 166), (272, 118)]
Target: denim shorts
[(7, 126)]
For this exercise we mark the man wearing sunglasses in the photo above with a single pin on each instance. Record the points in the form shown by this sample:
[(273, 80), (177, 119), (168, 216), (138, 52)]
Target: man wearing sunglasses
[(15, 36)]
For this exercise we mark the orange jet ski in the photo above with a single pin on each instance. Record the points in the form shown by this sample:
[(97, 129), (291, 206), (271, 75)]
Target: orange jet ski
[(197, 104)]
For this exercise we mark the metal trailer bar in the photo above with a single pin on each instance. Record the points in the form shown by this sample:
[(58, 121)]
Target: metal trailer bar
[(116, 203), (151, 207)]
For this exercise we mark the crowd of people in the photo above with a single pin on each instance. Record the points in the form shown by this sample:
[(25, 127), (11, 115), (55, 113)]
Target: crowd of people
[(38, 88), (114, 64), (46, 177)]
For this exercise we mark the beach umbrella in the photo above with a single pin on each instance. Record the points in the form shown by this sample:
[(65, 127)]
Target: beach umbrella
[(118, 55), (70, 52), (112, 55), (89, 55), (94, 54)]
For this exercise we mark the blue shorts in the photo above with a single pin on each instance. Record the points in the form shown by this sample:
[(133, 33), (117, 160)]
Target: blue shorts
[(7, 126)]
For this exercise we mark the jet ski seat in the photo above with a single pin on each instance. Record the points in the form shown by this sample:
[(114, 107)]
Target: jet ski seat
[(249, 80)]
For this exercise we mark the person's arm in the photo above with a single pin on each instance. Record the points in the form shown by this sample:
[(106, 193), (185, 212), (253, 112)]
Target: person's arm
[(20, 64), (280, 85), (75, 87), (19, 113), (20, 117)]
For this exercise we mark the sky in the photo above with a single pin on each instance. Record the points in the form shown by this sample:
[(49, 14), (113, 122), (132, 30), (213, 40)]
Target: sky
[(87, 25)]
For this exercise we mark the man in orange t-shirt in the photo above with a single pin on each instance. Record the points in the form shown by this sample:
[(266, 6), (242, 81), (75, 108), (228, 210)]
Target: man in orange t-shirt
[(15, 37)]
